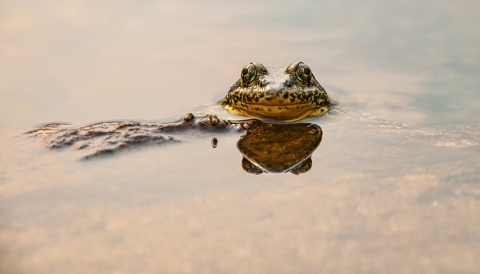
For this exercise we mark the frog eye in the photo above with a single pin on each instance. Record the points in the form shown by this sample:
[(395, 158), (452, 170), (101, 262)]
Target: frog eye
[(248, 74), (303, 73)]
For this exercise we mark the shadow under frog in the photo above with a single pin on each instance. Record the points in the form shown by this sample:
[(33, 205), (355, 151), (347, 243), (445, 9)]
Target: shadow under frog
[(266, 147)]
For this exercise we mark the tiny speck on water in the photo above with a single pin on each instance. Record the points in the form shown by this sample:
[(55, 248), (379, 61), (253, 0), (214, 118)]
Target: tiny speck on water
[(214, 142)]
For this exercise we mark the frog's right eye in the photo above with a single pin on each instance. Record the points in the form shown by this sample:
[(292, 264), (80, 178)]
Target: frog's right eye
[(249, 73)]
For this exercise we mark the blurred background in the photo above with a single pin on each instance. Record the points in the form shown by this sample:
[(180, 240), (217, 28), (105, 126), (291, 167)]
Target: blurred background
[(84, 61)]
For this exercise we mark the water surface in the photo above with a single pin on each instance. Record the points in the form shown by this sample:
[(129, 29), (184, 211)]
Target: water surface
[(394, 185)]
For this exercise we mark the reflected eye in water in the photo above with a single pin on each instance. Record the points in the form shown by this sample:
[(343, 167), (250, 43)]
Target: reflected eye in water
[(251, 167), (279, 148)]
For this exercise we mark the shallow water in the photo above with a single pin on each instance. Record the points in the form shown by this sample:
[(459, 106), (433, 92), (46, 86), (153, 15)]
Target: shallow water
[(394, 185)]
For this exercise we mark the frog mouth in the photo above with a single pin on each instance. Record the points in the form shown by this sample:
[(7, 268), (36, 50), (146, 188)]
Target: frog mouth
[(284, 112), (279, 105)]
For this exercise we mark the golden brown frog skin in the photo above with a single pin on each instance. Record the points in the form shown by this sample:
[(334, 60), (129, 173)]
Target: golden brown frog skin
[(287, 94)]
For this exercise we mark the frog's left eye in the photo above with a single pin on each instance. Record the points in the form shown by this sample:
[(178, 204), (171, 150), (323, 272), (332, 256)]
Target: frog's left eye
[(303, 73), (248, 75)]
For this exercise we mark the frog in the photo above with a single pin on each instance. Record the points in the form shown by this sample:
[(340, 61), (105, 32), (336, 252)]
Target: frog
[(286, 94), (265, 97)]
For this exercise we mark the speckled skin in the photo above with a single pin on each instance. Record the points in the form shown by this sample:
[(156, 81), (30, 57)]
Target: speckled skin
[(286, 94)]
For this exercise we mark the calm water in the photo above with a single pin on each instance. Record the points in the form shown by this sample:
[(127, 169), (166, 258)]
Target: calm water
[(378, 199)]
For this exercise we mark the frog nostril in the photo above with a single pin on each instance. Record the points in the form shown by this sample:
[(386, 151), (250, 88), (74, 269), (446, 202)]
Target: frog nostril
[(262, 81)]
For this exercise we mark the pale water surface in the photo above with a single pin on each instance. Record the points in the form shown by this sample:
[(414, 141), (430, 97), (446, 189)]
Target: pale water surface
[(395, 183)]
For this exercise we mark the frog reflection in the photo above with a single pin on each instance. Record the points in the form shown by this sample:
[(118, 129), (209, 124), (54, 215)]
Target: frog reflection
[(279, 148)]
